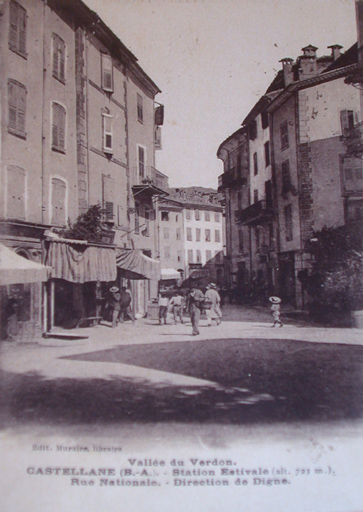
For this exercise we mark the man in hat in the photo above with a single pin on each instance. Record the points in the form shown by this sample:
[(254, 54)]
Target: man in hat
[(214, 299), (275, 310), (114, 302), (195, 305), (177, 302)]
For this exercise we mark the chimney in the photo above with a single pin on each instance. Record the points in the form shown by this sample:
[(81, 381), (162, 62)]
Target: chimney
[(287, 70), (335, 51), (308, 66)]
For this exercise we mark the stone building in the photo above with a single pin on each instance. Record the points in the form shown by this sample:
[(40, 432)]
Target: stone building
[(301, 176), (78, 128)]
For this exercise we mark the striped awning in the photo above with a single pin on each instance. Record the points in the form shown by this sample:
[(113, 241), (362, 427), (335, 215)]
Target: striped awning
[(15, 269), (134, 264), (79, 262)]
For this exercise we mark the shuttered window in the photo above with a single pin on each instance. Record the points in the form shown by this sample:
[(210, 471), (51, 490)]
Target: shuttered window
[(59, 190), (17, 29), (107, 198), (140, 109), (107, 72), (141, 158), (107, 121), (59, 57), (58, 127), (16, 192), (16, 108)]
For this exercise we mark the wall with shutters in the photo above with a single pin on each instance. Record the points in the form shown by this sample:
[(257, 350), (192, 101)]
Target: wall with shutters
[(21, 149), (60, 158)]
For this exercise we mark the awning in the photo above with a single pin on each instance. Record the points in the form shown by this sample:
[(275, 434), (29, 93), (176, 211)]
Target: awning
[(134, 264), (169, 273), (79, 262), (14, 269)]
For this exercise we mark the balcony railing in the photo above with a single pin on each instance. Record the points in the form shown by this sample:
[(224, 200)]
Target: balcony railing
[(232, 178), (255, 213), (353, 139)]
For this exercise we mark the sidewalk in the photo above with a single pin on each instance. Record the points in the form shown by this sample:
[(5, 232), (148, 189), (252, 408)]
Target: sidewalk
[(45, 357)]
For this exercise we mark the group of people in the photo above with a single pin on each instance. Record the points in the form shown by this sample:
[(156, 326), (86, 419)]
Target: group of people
[(195, 303), (120, 305)]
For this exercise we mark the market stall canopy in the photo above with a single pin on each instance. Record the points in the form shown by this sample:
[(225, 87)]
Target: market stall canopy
[(14, 269), (134, 264), (169, 273), (79, 262)]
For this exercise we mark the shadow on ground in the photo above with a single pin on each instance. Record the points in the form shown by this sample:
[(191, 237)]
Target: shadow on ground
[(260, 381)]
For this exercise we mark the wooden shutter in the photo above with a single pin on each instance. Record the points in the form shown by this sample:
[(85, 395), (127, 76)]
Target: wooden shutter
[(13, 105), (58, 202), (141, 162), (16, 192), (62, 58), (13, 28), (59, 127), (17, 107), (108, 202), (22, 29), (107, 81)]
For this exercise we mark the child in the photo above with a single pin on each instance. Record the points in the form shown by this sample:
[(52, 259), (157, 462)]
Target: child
[(275, 309)]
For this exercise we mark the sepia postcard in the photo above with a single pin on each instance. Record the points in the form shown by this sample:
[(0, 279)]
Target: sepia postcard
[(181, 255)]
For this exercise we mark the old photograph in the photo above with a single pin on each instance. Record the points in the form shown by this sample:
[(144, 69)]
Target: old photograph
[(181, 255)]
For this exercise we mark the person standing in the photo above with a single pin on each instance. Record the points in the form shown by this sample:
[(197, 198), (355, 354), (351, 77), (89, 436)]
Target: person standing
[(275, 310), (125, 309), (195, 305), (177, 303), (114, 303), (213, 297), (163, 308)]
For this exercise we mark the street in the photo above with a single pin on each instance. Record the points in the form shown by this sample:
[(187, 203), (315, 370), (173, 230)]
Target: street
[(241, 373)]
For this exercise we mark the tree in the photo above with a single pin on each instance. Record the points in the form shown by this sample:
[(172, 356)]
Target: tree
[(335, 285), (88, 226)]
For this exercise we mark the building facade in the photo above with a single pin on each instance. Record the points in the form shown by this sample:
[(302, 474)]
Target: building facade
[(301, 175), (78, 129)]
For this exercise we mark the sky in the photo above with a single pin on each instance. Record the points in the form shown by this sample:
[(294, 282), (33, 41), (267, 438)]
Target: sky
[(213, 59)]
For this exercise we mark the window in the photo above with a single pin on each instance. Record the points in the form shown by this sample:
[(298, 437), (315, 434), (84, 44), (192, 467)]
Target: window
[(207, 216), (257, 239), (199, 256), (146, 230), (140, 109), (190, 256), (107, 72), (207, 235), (167, 252), (217, 256), (288, 222), (264, 120), (197, 235), (58, 197), (16, 192), (107, 132), (166, 233), (284, 134), (141, 159), (189, 235), (178, 233), (59, 128), (107, 198), (17, 29), (285, 174), (253, 130), (17, 108), (217, 217), (217, 235), (267, 153), (137, 218), (165, 216), (208, 256), (240, 241), (59, 57), (188, 214), (197, 215), (179, 256), (255, 196), (157, 137), (255, 164), (348, 119)]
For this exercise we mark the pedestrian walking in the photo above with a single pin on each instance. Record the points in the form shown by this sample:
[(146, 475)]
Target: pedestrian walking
[(275, 310), (195, 305), (114, 303), (177, 302), (163, 308), (125, 306), (214, 312)]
